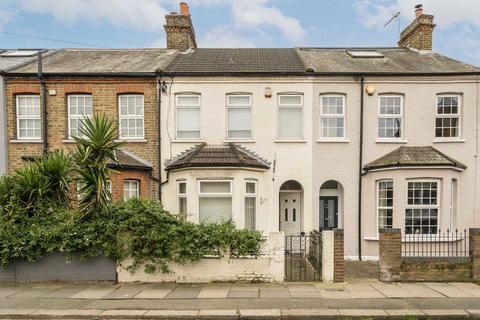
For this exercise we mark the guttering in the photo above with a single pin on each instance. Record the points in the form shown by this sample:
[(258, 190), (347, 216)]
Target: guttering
[(360, 167), (159, 136), (85, 74)]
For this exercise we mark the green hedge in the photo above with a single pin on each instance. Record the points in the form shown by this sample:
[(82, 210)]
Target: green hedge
[(139, 229)]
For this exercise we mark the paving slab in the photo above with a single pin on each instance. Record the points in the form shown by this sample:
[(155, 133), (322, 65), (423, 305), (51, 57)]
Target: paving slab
[(421, 290), (30, 293), (303, 291), (243, 293), (65, 292), (184, 292), (214, 292), (222, 314), (260, 314), (8, 291), (66, 312), (445, 312), (449, 290), (474, 312), (95, 292), (363, 291), (124, 292), (122, 313), (392, 290), (335, 293), (274, 293), (468, 287), (172, 314), (15, 312), (362, 312), (404, 312), (153, 293), (305, 313)]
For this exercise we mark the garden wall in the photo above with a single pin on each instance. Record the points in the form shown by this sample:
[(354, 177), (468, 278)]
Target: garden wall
[(53, 267), (269, 267)]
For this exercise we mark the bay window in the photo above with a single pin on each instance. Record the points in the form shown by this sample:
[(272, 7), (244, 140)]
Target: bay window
[(250, 204), (385, 204), (215, 200), (131, 189), (182, 198), (421, 213)]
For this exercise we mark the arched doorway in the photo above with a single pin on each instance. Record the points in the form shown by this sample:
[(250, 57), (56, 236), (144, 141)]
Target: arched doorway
[(331, 205), (291, 203)]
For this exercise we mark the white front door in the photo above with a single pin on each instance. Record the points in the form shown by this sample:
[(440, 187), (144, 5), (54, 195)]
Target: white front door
[(290, 212)]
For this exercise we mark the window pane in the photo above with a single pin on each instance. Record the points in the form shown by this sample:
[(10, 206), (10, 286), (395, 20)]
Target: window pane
[(250, 187), (389, 127), (131, 189), (238, 100), (182, 207), (215, 187), (332, 127), (390, 105), (447, 127), (188, 123), (290, 123), (332, 105), (216, 209), (182, 188), (188, 100), (239, 122), (250, 211), (290, 100)]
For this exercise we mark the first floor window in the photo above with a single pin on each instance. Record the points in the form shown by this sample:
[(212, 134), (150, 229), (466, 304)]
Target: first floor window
[(239, 113), (79, 108), (421, 213), (182, 198), (28, 117), (390, 117), (250, 205), (290, 117), (332, 117), (187, 116), (131, 189), (385, 204), (131, 116), (215, 201), (447, 121)]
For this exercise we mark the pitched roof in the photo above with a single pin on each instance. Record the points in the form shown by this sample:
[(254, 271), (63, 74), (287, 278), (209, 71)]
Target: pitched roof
[(86, 61), (225, 60), (9, 60), (229, 155), (128, 160), (406, 156), (394, 60)]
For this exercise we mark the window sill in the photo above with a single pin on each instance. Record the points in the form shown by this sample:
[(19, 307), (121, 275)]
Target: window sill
[(187, 141), (397, 141), (239, 141), (439, 140), (26, 141), (132, 140), (371, 238), (68, 141), (290, 141), (333, 141)]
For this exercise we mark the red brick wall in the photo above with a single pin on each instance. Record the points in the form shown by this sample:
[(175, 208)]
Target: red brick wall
[(120, 176), (474, 234), (390, 255), (338, 256)]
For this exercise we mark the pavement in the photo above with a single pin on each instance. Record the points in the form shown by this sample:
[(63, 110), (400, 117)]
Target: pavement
[(362, 299)]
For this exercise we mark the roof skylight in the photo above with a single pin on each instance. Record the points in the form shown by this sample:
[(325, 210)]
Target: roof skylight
[(21, 53), (365, 54)]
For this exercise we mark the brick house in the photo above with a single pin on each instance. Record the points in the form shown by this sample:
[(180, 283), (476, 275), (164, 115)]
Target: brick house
[(291, 139), (121, 84)]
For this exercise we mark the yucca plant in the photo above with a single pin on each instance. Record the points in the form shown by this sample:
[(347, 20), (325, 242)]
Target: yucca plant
[(95, 147), (57, 167)]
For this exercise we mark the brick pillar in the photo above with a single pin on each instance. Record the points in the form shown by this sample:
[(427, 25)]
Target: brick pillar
[(390, 253), (474, 234), (338, 256)]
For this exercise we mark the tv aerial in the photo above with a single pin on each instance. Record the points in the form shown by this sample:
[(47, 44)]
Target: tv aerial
[(395, 17)]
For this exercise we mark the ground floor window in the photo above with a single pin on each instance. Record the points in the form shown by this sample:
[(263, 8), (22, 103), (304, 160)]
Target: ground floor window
[(385, 204), (215, 200), (131, 189), (182, 198), (421, 213), (250, 204)]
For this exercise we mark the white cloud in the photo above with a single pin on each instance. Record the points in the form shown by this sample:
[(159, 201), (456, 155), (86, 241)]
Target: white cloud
[(225, 37), (374, 14)]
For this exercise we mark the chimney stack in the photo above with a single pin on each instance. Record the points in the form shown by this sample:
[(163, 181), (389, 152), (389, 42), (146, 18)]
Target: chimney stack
[(418, 35), (179, 29)]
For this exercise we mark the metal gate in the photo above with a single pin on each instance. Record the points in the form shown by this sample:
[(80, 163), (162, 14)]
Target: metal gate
[(303, 257)]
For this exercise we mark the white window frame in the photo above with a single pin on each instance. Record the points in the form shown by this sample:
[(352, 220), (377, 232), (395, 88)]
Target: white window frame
[(131, 117), (218, 194), (332, 116), (290, 106), (199, 107), (377, 198), (181, 195), (137, 182), (391, 116), (251, 195), (78, 117), (248, 107), (28, 117), (423, 206), (457, 115)]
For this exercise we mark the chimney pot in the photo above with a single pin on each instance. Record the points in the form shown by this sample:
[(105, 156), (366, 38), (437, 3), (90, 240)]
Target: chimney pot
[(418, 10), (184, 9)]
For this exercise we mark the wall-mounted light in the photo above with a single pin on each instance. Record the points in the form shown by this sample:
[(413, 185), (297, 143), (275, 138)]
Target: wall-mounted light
[(370, 89), (268, 92), (164, 87)]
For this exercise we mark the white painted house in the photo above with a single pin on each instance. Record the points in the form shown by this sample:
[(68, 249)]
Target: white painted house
[(311, 138)]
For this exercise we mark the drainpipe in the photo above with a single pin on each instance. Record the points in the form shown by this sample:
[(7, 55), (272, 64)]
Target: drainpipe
[(43, 97), (360, 169), (159, 137)]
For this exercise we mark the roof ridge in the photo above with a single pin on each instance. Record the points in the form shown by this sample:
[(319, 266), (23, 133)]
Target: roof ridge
[(195, 151), (237, 154)]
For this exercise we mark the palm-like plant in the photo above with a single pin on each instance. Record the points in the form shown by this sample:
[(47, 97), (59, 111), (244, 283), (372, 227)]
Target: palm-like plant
[(57, 167), (95, 148)]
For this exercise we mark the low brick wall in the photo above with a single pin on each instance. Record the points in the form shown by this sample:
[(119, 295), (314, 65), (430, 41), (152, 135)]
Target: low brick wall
[(269, 267), (435, 269), (53, 267)]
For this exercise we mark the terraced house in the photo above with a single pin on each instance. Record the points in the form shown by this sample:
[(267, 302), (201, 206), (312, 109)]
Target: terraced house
[(290, 139)]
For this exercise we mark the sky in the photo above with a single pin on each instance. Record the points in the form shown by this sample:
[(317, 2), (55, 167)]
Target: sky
[(237, 23)]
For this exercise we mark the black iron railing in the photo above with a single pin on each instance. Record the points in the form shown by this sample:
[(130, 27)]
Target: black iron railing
[(303, 257), (443, 244)]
